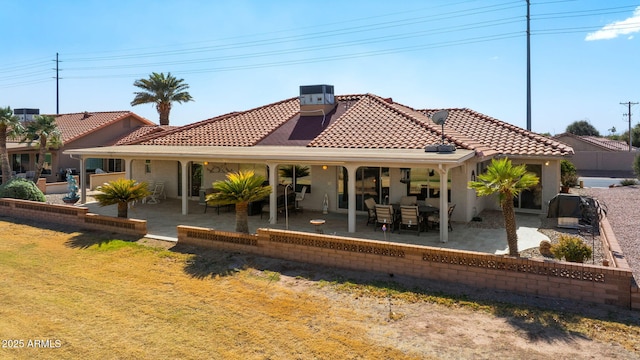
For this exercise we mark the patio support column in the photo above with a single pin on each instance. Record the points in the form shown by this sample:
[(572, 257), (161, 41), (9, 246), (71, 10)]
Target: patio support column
[(185, 187), (128, 166), (444, 204), (273, 197), (351, 186), (83, 182)]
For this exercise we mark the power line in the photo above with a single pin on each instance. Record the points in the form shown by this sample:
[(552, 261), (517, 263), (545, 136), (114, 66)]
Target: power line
[(500, 24)]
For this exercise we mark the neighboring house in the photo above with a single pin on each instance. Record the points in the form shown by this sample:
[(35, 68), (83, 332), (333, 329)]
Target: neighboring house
[(80, 130), (355, 146), (598, 156)]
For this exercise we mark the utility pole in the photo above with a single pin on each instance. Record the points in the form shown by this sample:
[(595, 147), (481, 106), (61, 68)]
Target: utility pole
[(528, 68), (629, 103), (57, 69)]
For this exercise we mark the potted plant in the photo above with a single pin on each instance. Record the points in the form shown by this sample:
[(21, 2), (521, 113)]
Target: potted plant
[(568, 176)]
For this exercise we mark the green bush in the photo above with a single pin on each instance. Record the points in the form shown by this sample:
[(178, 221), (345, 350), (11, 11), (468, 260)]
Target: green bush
[(636, 166), (568, 173), (23, 189), (628, 182), (571, 248)]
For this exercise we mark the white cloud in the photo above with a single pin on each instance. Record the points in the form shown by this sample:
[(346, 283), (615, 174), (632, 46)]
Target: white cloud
[(613, 30)]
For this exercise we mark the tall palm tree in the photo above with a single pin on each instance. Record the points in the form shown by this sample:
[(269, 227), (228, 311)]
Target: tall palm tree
[(44, 130), (9, 127), (240, 188), (163, 91), (121, 192), (508, 181)]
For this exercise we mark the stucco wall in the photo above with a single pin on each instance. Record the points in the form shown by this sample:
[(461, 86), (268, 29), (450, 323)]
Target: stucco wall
[(604, 163)]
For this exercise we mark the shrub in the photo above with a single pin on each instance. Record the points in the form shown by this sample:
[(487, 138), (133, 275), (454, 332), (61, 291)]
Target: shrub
[(636, 166), (571, 248), (23, 189), (628, 182), (568, 173)]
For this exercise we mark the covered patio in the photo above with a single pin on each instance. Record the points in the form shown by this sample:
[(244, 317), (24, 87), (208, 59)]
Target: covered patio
[(484, 237)]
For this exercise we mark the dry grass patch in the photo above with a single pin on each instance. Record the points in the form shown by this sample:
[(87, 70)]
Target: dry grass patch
[(102, 296)]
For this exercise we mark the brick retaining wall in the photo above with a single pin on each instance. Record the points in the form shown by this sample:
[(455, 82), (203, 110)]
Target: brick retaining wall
[(70, 215), (582, 282)]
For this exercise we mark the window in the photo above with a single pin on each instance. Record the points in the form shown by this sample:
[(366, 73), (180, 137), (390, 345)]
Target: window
[(298, 175), (114, 165), (370, 182), (46, 165), (147, 166), (20, 162), (425, 183)]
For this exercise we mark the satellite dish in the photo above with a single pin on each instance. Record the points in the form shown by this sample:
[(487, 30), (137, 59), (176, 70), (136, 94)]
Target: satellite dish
[(440, 117)]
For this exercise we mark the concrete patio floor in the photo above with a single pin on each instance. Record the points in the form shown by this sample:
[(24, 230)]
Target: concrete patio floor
[(163, 218)]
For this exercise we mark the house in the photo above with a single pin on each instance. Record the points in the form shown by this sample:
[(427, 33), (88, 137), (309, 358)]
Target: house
[(80, 130), (354, 146), (598, 156)]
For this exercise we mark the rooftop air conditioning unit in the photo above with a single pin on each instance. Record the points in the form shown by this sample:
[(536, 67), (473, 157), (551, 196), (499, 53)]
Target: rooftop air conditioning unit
[(316, 100), (26, 114), (316, 95)]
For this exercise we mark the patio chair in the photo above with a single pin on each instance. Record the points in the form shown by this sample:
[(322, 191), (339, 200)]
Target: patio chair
[(385, 216), (300, 197), (30, 175), (370, 203), (410, 219), (408, 201), (434, 220), (156, 194)]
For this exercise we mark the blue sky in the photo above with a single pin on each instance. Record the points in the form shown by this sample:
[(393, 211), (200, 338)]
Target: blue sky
[(237, 55)]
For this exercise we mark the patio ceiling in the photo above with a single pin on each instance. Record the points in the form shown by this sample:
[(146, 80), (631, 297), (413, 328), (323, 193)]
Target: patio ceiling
[(299, 154)]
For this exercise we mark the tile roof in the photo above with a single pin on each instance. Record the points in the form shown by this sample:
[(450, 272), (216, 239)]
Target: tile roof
[(234, 129), (604, 143), (360, 121), (501, 137), (143, 132), (77, 125)]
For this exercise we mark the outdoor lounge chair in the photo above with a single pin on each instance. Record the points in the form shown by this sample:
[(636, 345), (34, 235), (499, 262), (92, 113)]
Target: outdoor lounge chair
[(156, 193), (434, 220), (370, 203), (410, 219), (385, 216), (300, 197)]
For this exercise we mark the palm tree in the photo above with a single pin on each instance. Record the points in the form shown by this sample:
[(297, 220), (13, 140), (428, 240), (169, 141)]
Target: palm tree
[(44, 130), (508, 181), (121, 192), (9, 127), (240, 189), (161, 91)]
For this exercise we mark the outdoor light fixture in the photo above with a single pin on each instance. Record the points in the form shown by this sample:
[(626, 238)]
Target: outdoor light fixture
[(439, 118), (324, 167), (206, 163)]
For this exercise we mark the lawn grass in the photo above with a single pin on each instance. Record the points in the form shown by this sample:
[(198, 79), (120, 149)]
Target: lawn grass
[(103, 298), (93, 295)]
